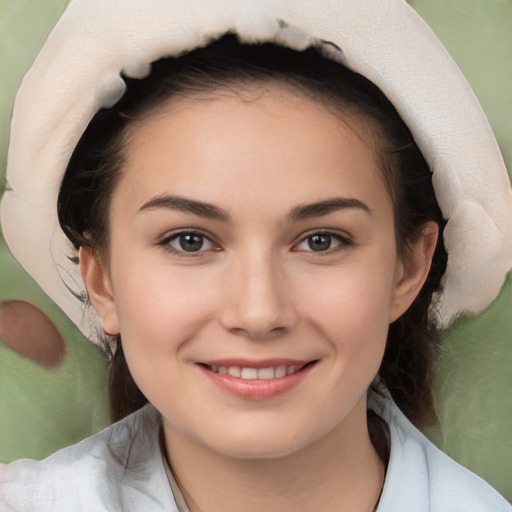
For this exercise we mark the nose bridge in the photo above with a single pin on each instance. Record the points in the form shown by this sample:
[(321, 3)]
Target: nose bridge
[(258, 302)]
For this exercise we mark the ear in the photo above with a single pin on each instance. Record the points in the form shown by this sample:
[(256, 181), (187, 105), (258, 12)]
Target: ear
[(412, 271), (99, 288)]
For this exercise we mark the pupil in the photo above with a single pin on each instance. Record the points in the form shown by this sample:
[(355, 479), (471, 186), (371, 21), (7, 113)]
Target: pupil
[(319, 242), (191, 242)]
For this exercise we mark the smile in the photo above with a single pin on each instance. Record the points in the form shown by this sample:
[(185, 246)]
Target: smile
[(256, 373), (260, 381)]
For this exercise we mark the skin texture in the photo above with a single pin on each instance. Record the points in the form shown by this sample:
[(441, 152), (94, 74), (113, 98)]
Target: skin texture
[(256, 290)]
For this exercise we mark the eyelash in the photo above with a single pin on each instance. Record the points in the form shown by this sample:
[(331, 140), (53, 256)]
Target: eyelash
[(166, 243), (343, 241)]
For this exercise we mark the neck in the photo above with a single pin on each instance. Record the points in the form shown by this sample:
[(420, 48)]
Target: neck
[(341, 472)]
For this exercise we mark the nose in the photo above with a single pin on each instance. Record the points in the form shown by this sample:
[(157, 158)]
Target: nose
[(259, 302)]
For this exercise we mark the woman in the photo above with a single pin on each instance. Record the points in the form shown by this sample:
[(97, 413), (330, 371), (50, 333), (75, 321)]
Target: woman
[(258, 235)]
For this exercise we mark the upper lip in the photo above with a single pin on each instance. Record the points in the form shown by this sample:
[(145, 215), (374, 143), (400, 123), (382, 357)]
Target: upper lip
[(256, 363)]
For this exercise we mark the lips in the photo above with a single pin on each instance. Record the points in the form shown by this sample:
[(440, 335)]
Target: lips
[(256, 380)]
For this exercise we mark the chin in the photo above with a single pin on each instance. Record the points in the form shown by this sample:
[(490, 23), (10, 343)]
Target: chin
[(260, 449), (262, 442)]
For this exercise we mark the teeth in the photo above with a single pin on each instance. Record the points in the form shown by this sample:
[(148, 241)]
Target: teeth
[(256, 373), (290, 370), (281, 371), (266, 373), (249, 373), (234, 371)]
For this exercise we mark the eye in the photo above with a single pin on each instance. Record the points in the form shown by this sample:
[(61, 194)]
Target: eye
[(322, 242), (188, 242)]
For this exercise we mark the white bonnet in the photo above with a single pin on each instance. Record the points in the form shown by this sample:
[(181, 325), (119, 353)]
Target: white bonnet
[(78, 71)]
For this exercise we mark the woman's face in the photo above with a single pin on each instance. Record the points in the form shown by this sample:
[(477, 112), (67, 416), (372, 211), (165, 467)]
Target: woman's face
[(253, 271)]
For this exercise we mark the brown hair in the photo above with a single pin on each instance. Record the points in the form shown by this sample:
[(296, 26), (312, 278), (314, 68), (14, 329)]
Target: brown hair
[(413, 341)]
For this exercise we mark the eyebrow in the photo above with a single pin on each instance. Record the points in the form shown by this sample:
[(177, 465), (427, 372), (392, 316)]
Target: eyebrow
[(210, 211), (326, 207), (182, 204)]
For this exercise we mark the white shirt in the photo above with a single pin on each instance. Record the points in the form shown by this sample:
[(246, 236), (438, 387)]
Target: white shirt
[(121, 468)]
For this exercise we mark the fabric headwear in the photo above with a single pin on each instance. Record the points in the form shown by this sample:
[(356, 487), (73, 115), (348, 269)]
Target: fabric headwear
[(79, 69)]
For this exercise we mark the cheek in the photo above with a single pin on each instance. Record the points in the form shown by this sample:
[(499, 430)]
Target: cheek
[(349, 300), (351, 310), (155, 305), (159, 313)]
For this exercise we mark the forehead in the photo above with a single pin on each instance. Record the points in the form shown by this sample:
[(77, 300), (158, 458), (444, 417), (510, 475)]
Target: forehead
[(249, 142)]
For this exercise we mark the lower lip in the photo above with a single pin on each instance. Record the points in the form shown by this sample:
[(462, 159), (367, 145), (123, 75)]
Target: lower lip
[(257, 389)]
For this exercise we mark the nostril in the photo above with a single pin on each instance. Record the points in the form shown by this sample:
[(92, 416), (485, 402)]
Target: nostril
[(255, 332), (28, 331)]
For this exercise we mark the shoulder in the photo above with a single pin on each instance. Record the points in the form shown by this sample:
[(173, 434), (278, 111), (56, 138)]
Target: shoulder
[(97, 474), (421, 478)]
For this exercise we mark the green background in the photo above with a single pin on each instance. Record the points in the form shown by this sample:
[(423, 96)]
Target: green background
[(43, 409)]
